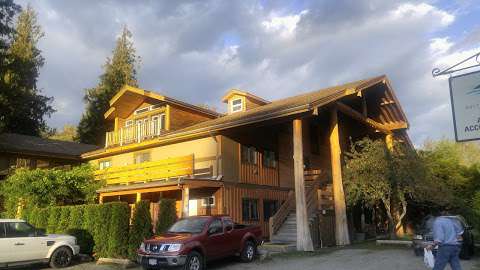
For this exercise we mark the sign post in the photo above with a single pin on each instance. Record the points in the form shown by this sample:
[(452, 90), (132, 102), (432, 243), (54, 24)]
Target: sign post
[(465, 99)]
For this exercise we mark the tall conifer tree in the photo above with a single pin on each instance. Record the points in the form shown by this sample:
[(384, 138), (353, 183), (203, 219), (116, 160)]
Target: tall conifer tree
[(22, 107), (119, 70)]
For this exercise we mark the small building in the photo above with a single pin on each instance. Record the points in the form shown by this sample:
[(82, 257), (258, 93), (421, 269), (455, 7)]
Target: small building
[(272, 163), (22, 151)]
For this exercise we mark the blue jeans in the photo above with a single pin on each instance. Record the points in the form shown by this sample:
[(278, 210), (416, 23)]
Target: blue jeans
[(448, 254)]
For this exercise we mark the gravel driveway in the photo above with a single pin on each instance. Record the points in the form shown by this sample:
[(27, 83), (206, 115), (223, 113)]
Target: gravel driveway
[(352, 258)]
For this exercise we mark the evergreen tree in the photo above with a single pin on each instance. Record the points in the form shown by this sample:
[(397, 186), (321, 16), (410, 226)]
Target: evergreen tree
[(119, 70), (22, 107)]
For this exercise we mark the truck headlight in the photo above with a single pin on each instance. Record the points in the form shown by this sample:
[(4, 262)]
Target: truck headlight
[(418, 237), (174, 247)]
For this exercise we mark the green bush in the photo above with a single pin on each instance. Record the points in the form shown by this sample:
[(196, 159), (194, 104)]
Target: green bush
[(118, 230), (53, 217), (33, 216), (42, 218), (64, 219), (141, 228), (100, 232), (167, 215), (75, 220)]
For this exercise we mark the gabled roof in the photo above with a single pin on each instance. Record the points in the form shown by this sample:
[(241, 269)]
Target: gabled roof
[(132, 97), (29, 145), (233, 92), (275, 109)]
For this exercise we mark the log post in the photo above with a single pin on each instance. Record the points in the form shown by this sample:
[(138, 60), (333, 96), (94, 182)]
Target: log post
[(185, 200), (304, 239), (389, 141), (139, 197), (341, 226)]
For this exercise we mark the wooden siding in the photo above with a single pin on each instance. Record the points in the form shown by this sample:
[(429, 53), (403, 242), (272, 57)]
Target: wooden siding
[(181, 118), (233, 196), (257, 173)]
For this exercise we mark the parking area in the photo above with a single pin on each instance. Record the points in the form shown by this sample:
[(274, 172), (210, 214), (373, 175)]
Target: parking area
[(363, 257)]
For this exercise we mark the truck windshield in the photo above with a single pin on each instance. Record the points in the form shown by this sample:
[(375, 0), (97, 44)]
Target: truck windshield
[(189, 225)]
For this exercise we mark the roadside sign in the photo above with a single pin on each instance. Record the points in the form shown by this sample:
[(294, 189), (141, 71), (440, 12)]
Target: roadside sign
[(465, 98)]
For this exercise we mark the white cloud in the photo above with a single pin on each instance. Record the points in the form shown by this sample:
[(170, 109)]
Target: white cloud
[(440, 46), (283, 25), (414, 11)]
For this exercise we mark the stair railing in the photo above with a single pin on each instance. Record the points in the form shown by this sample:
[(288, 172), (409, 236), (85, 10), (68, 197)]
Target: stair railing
[(276, 221)]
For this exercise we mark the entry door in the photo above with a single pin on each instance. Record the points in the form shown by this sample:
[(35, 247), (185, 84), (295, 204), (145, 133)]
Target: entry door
[(192, 208)]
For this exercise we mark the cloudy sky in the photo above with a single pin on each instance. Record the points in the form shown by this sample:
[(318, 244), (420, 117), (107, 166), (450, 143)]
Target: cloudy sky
[(196, 50)]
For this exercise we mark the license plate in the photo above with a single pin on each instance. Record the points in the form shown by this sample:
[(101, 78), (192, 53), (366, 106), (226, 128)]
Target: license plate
[(152, 261)]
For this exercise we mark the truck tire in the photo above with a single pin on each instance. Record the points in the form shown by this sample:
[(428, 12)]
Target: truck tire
[(248, 252), (61, 257), (194, 261)]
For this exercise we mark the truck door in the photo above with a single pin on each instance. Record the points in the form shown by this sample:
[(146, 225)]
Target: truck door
[(19, 242), (216, 243), (232, 238)]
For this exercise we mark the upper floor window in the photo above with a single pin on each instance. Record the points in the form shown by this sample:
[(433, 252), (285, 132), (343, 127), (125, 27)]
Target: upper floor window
[(158, 124), (142, 110), (128, 123), (269, 159), (249, 155), (237, 105), (103, 164), (142, 157)]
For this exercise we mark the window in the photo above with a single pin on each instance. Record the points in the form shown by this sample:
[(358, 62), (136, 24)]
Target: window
[(2, 230), (19, 229), (269, 159), (155, 106), (249, 155), (128, 123), (208, 201), (158, 124), (103, 164), (215, 227), (142, 110), (270, 207), (142, 157), (249, 209), (237, 105), (228, 224)]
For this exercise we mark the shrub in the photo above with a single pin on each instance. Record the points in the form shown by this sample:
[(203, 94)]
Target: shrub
[(167, 215), (118, 230), (64, 219), (42, 218), (141, 228), (33, 216), (100, 231), (75, 220), (53, 217)]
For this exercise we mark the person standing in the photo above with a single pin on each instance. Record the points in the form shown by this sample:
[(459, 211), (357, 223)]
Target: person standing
[(447, 234)]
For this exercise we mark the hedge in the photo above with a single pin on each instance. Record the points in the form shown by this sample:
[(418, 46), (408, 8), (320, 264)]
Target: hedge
[(101, 229), (141, 228), (167, 215)]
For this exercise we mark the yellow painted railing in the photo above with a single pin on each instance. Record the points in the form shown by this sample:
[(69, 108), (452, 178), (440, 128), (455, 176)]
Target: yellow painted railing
[(133, 134), (147, 171)]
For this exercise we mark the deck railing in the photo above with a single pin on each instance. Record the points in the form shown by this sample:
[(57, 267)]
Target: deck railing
[(133, 134), (148, 171)]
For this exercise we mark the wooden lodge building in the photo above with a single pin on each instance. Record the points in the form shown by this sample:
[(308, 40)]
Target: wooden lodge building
[(272, 163)]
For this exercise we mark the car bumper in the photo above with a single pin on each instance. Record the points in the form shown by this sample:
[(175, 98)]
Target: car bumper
[(76, 250), (151, 260)]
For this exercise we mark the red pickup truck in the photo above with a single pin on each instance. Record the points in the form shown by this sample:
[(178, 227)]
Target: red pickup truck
[(193, 241)]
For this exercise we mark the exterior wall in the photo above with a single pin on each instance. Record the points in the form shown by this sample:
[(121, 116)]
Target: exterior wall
[(233, 196), (285, 160), (204, 150), (257, 173), (181, 117), (230, 159)]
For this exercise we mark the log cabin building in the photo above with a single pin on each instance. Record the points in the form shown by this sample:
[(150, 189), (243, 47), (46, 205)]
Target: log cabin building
[(272, 163)]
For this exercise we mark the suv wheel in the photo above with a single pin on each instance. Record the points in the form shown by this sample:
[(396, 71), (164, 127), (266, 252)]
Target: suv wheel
[(194, 261), (248, 252), (61, 257)]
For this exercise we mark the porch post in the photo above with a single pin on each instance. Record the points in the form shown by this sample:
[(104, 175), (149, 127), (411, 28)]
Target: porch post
[(100, 198), (341, 226), (139, 197), (389, 141), (185, 199), (304, 239)]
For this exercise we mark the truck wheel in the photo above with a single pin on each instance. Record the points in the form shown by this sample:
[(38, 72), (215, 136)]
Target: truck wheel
[(248, 252), (194, 261), (61, 257)]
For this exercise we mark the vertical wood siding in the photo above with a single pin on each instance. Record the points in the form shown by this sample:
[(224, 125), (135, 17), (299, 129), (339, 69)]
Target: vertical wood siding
[(257, 173), (233, 203)]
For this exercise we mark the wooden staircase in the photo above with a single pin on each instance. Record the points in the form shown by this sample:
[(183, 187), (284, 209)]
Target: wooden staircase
[(283, 225)]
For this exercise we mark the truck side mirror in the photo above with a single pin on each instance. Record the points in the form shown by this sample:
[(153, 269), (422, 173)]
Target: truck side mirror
[(228, 228)]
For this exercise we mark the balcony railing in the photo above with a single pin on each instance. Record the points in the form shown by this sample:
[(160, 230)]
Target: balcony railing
[(133, 134), (147, 171)]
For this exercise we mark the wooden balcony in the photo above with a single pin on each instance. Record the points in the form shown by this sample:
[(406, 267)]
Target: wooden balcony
[(147, 171), (133, 134)]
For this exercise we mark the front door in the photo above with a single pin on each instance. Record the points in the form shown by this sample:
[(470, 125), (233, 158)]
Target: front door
[(192, 208)]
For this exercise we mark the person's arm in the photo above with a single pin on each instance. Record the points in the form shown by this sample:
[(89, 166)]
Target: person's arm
[(438, 234)]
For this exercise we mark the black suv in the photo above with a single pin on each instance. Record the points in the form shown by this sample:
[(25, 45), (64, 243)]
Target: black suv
[(424, 237)]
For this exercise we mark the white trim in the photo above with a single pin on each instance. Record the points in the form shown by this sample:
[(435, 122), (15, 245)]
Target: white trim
[(210, 197), (236, 107)]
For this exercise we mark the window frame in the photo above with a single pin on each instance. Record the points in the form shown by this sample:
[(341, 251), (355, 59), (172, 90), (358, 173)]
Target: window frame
[(236, 107), (16, 236), (251, 215), (103, 161), (250, 156), (269, 159), (208, 205)]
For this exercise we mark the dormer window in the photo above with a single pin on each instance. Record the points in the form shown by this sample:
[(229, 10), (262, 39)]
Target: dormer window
[(237, 105)]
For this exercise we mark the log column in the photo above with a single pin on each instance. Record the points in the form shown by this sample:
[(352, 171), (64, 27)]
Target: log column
[(341, 226), (389, 141), (185, 200), (304, 239)]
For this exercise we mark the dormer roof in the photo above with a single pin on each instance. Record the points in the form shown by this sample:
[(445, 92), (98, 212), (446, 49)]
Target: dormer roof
[(233, 92)]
